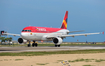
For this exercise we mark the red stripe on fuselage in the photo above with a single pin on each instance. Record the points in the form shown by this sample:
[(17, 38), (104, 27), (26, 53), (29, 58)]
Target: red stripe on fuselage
[(41, 29)]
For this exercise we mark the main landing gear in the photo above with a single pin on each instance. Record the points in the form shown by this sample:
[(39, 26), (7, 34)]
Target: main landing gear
[(57, 45), (33, 44)]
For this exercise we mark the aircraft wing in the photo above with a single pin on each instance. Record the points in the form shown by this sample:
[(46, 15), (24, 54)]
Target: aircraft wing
[(73, 35), (10, 34), (85, 34), (75, 31)]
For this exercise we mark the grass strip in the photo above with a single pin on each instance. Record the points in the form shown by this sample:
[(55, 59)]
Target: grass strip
[(53, 52), (18, 45), (87, 65), (18, 59), (100, 60), (86, 60), (42, 63)]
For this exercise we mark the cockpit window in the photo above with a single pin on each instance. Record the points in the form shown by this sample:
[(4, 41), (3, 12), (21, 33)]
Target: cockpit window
[(26, 30), (22, 30)]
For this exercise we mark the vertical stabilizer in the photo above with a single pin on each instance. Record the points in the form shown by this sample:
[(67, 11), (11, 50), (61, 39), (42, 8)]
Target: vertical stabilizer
[(64, 23)]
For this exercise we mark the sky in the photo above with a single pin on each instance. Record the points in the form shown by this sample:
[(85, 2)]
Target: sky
[(87, 15)]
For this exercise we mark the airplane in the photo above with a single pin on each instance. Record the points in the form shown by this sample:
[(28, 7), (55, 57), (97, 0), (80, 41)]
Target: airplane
[(33, 33)]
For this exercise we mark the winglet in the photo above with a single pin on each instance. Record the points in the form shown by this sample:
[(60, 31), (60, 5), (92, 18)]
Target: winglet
[(103, 33), (64, 23)]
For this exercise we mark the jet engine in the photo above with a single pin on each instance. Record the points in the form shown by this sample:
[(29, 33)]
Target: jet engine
[(57, 40), (20, 40)]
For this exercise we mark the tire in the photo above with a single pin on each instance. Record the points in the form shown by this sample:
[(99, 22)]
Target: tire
[(29, 45), (36, 44), (58, 45), (33, 44), (55, 45)]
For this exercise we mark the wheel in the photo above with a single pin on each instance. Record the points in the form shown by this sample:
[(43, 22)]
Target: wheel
[(36, 44), (58, 45), (33, 44), (29, 45), (55, 45)]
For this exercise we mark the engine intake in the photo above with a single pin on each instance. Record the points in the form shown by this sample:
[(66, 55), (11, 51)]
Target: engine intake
[(57, 40), (20, 40)]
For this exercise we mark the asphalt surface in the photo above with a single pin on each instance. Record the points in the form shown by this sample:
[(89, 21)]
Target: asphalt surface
[(48, 48)]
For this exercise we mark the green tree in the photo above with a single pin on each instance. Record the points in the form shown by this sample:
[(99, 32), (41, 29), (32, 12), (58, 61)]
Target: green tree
[(8, 39), (3, 39)]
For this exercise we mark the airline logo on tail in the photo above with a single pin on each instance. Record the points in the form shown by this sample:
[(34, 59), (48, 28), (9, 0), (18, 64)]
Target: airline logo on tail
[(64, 23)]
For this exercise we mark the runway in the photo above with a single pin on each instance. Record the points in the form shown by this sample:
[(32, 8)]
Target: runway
[(48, 48)]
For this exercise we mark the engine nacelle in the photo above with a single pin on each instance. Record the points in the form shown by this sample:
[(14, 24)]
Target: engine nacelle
[(20, 40), (57, 40)]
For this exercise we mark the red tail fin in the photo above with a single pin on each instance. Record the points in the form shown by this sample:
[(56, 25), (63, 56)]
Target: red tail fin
[(64, 23)]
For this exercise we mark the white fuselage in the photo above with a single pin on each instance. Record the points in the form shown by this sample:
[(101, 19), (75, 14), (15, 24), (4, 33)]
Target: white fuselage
[(42, 36)]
